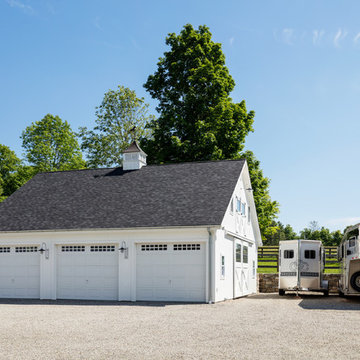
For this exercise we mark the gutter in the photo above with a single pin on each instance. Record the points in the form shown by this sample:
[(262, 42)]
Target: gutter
[(110, 229)]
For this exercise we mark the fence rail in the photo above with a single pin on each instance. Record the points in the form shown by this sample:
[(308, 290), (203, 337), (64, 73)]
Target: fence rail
[(270, 254)]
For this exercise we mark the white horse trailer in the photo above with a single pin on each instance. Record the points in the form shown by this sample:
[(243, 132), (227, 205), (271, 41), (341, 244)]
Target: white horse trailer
[(301, 266), (349, 258)]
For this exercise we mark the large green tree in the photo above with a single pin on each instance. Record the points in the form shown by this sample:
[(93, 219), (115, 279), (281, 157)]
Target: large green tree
[(2, 197), (283, 232), (315, 232), (13, 173), (266, 208), (197, 118), (51, 145), (120, 119)]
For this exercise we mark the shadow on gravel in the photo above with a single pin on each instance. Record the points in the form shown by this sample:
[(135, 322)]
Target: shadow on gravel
[(90, 303), (314, 301), (330, 303)]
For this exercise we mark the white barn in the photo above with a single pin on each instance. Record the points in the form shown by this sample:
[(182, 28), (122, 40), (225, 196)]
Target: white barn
[(179, 232)]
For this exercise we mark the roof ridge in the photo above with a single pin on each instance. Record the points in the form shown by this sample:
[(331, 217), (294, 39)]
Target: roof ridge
[(147, 166)]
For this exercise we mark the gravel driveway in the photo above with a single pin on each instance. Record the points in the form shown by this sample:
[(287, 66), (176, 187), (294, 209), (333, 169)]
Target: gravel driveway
[(263, 326)]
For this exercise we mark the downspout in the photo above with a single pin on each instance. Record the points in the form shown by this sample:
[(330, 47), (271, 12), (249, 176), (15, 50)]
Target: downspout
[(299, 266), (210, 242), (234, 266)]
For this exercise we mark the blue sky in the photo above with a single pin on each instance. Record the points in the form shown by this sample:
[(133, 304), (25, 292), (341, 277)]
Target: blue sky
[(296, 63)]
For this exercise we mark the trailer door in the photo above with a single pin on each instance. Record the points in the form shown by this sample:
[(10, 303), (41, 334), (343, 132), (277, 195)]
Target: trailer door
[(310, 263), (288, 264)]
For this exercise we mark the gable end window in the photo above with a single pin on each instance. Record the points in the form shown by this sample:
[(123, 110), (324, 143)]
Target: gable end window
[(243, 209), (238, 205)]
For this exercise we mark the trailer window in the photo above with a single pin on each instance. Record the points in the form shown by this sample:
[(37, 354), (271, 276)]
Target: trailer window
[(245, 254), (288, 254), (238, 253), (352, 242), (310, 254)]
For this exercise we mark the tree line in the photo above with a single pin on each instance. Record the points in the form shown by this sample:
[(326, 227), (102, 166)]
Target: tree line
[(197, 121), (312, 232)]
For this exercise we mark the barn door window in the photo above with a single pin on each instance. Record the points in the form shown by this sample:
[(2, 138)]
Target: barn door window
[(238, 253), (245, 255)]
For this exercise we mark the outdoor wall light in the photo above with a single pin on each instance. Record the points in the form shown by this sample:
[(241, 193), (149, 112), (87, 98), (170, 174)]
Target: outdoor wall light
[(124, 249), (45, 250)]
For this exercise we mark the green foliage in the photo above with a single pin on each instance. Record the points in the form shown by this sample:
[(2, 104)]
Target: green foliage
[(266, 209), (121, 119), (282, 233), (2, 197), (51, 145), (198, 120), (13, 174), (328, 238)]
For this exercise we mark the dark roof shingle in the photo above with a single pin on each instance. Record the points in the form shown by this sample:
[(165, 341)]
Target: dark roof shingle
[(185, 194)]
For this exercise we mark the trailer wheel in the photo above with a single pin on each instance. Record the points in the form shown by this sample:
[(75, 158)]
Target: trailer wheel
[(355, 281), (281, 292)]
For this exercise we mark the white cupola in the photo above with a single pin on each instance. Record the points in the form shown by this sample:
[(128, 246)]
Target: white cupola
[(134, 157)]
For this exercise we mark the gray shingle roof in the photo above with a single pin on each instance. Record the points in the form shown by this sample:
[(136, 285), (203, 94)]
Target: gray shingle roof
[(185, 194)]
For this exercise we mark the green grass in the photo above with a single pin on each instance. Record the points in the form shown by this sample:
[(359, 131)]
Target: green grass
[(332, 271), (273, 271), (266, 270), (274, 263)]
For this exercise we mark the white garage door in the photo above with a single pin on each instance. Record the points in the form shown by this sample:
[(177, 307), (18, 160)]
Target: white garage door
[(19, 272), (87, 272), (171, 272)]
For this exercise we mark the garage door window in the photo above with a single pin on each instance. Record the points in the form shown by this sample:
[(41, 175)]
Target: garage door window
[(71, 248), (154, 247), (179, 247), (4, 249), (102, 248), (25, 249)]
